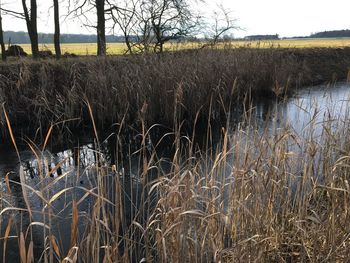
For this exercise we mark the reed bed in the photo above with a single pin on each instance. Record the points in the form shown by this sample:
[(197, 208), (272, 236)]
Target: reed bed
[(247, 195), (257, 195), (39, 93)]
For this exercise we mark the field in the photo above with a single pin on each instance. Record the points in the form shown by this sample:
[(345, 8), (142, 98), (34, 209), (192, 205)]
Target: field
[(79, 48), (119, 48)]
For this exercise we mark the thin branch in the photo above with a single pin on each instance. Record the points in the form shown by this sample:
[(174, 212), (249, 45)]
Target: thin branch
[(13, 13)]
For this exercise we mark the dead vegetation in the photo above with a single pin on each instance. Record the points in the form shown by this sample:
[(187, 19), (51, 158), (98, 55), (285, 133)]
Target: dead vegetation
[(256, 196), (252, 198), (118, 87)]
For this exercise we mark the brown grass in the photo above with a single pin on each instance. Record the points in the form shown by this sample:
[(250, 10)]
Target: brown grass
[(251, 197), (118, 87)]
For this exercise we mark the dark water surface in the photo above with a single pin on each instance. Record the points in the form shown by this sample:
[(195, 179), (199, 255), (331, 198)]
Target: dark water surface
[(305, 113)]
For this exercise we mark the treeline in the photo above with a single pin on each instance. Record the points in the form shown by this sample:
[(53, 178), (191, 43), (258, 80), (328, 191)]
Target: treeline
[(262, 37), (21, 37), (145, 26), (331, 34)]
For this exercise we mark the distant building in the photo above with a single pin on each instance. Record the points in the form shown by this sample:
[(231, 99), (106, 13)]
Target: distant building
[(262, 37)]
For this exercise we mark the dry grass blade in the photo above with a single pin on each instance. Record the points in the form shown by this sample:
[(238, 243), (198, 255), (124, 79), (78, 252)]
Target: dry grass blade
[(92, 119), (12, 208), (72, 256), (36, 224), (31, 146), (22, 248), (47, 137), (57, 195), (139, 226), (24, 189), (57, 179), (39, 224), (55, 246), (8, 183), (91, 192), (7, 234), (10, 131), (86, 195), (57, 166), (36, 192), (30, 253), (74, 225), (193, 213), (154, 187)]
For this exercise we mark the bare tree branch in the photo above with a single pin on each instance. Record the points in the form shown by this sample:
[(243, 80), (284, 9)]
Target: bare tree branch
[(12, 13), (223, 23)]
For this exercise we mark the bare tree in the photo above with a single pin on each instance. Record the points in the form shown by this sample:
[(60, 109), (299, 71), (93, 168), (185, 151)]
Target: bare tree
[(166, 20), (80, 9), (222, 23), (57, 29), (149, 24), (143, 30), (31, 21), (124, 16), (170, 20)]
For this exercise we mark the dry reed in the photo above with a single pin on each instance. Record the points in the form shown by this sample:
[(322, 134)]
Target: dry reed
[(255, 196)]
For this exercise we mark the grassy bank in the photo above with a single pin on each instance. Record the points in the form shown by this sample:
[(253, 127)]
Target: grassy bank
[(39, 93)]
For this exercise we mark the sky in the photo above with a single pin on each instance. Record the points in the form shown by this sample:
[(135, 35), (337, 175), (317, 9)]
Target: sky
[(286, 18)]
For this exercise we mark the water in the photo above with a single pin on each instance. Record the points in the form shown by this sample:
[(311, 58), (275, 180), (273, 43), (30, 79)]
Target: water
[(310, 107), (305, 114)]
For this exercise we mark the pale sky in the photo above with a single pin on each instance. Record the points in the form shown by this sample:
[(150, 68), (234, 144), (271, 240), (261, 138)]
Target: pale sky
[(286, 18)]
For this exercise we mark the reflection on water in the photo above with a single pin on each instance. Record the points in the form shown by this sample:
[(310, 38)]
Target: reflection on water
[(310, 108), (54, 179), (46, 174), (77, 168)]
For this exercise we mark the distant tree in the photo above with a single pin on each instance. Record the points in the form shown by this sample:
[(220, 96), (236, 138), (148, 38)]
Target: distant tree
[(221, 23), (31, 21), (57, 29), (331, 34), (262, 37)]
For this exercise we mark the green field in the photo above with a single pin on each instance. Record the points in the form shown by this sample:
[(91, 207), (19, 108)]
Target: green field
[(119, 48)]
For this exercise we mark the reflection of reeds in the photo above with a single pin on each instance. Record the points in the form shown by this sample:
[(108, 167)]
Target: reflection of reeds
[(250, 197)]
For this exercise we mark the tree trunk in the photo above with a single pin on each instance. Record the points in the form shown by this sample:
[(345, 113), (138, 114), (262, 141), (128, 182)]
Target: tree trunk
[(3, 54), (57, 29), (101, 30), (31, 22), (34, 30), (127, 42)]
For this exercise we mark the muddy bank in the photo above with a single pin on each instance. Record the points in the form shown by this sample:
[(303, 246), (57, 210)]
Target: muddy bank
[(162, 89)]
